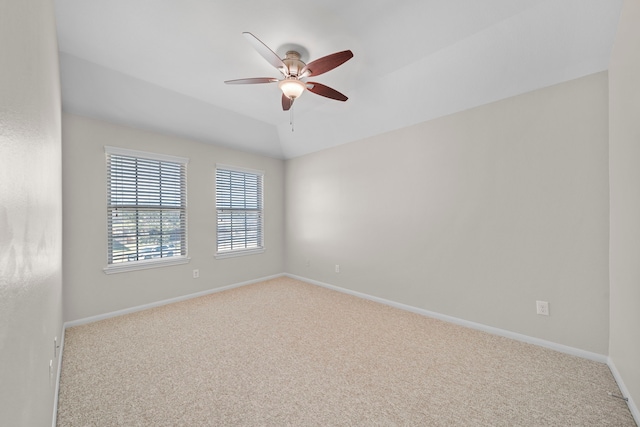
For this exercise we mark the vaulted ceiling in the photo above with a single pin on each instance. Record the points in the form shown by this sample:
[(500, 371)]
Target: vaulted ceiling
[(161, 64)]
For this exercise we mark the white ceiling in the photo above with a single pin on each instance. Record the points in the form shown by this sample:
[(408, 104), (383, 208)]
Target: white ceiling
[(161, 64)]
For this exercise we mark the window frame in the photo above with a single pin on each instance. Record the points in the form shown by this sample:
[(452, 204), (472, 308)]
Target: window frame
[(239, 252), (132, 265)]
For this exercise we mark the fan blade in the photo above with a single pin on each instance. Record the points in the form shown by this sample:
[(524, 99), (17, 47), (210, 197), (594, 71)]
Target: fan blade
[(326, 91), (326, 63), (251, 81), (287, 103), (271, 57)]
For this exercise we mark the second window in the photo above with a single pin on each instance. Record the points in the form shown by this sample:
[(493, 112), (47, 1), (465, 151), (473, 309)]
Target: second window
[(239, 211)]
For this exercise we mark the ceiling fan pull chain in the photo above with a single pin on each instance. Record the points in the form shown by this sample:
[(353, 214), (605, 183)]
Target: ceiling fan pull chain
[(291, 118)]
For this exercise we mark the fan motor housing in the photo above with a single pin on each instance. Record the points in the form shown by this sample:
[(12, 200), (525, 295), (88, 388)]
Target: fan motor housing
[(293, 63)]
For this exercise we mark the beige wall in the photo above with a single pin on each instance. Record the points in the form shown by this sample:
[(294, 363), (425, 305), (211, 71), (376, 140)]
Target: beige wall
[(30, 212), (88, 291), (475, 215), (624, 152)]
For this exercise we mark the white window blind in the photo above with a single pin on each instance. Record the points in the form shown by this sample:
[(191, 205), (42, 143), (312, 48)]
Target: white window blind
[(146, 206), (239, 211)]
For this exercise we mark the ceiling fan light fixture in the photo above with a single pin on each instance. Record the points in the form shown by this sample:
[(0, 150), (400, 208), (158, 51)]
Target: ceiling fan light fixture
[(291, 87)]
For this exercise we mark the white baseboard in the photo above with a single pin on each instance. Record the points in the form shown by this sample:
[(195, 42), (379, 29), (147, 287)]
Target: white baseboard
[(478, 326), (98, 317), (57, 390), (624, 390)]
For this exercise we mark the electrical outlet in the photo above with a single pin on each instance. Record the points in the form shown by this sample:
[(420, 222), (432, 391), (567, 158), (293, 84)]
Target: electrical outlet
[(337, 268), (308, 263), (542, 307), (196, 273), (50, 370), (55, 347)]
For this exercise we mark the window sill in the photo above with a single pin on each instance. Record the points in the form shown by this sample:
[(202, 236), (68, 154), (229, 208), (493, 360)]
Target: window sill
[(232, 254), (144, 265)]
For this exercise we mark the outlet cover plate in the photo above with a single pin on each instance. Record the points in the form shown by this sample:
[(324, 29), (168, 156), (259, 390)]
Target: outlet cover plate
[(542, 308)]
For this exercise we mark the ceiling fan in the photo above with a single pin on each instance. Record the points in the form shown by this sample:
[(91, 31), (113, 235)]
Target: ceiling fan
[(295, 72)]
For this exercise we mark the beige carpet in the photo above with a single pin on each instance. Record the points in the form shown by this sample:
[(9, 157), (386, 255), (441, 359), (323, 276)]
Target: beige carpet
[(283, 352)]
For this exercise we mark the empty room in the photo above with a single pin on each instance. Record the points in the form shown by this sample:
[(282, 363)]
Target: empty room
[(320, 213)]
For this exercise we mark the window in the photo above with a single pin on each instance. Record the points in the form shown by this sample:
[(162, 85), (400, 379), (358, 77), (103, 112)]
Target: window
[(239, 211), (146, 210)]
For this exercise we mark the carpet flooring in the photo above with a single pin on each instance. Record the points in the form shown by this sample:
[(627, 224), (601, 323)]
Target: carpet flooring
[(287, 353)]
